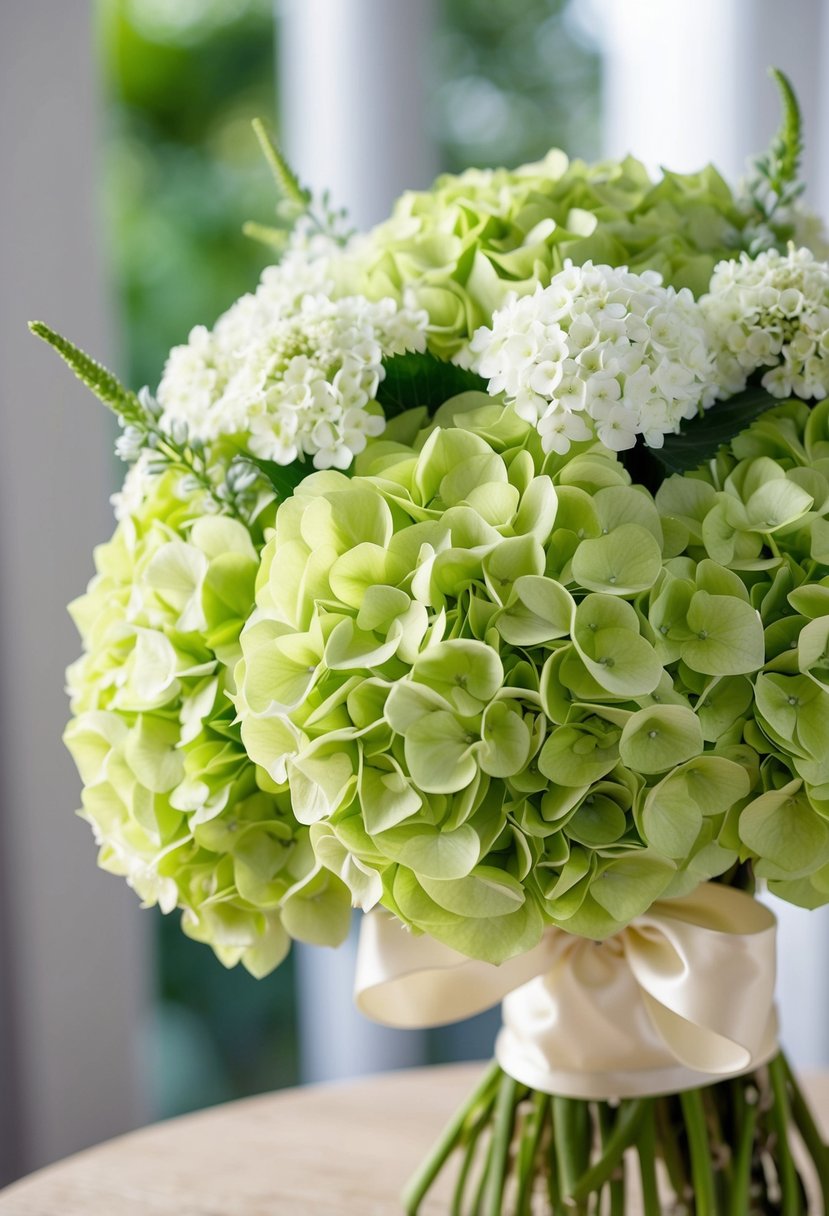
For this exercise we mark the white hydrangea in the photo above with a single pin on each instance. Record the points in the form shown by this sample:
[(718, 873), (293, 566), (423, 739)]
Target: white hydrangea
[(136, 485), (600, 351), (290, 368), (771, 312)]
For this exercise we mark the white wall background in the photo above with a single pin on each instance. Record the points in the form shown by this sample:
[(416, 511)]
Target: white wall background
[(72, 964)]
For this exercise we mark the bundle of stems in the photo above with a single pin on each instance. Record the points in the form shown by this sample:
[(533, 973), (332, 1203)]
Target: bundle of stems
[(742, 1147)]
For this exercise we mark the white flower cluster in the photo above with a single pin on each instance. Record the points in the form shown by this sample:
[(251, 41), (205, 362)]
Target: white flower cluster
[(600, 351), (289, 368), (136, 485), (771, 311)]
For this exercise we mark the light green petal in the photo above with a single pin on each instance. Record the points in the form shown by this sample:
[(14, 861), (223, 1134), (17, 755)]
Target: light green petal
[(624, 562), (727, 636), (629, 885), (539, 610), (351, 649), (780, 827), (431, 851), (317, 910), (467, 674), (659, 738), (354, 573), (506, 740), (491, 939), (486, 892), (577, 756), (386, 797), (176, 573), (151, 753), (322, 777), (364, 883), (441, 753)]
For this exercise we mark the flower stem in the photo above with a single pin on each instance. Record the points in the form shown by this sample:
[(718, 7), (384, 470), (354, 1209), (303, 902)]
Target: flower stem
[(780, 1117), (623, 1135), (646, 1150), (571, 1124), (473, 1136), (671, 1152), (418, 1186), (701, 1170), (505, 1105), (615, 1185), (528, 1152), (743, 1157)]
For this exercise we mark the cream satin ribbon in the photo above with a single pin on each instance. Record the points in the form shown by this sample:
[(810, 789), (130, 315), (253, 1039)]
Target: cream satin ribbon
[(682, 997)]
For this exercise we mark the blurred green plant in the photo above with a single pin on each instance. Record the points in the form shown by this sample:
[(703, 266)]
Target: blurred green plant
[(514, 78), (182, 168)]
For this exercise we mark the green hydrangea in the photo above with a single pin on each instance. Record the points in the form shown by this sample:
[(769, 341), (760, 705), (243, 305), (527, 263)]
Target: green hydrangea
[(458, 249), (762, 510), (175, 803), (497, 687)]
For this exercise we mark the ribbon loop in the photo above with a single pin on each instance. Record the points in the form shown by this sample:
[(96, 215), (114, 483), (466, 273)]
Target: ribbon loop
[(681, 998)]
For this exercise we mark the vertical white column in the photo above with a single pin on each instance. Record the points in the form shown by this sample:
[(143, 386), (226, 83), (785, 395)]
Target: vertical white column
[(353, 80), (685, 83), (73, 973)]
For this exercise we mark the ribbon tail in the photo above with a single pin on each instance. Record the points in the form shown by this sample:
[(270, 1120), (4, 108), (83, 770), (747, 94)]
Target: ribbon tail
[(412, 981)]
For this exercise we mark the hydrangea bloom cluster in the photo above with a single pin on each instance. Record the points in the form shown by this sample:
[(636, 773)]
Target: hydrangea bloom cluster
[(505, 689), (175, 803), (600, 350), (761, 510), (772, 313), (290, 371), (463, 246)]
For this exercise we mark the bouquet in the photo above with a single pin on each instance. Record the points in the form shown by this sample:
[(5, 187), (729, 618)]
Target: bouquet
[(474, 572)]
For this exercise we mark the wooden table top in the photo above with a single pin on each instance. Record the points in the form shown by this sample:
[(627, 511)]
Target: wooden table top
[(327, 1150)]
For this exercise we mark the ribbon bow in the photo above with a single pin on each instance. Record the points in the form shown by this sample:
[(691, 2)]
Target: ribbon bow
[(681, 998)]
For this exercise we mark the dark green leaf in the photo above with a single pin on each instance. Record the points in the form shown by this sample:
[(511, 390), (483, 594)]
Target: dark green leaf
[(413, 380), (702, 437), (283, 477), (94, 375)]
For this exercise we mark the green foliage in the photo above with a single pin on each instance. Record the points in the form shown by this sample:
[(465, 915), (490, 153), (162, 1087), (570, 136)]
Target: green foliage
[(182, 169), (787, 148), (415, 380), (774, 183), (497, 101), (283, 478), (701, 438), (295, 198), (106, 387)]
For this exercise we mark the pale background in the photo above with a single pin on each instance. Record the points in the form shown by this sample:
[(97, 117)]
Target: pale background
[(683, 82)]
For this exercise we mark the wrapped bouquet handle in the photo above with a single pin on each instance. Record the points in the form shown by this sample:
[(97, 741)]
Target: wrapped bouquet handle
[(683, 997)]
